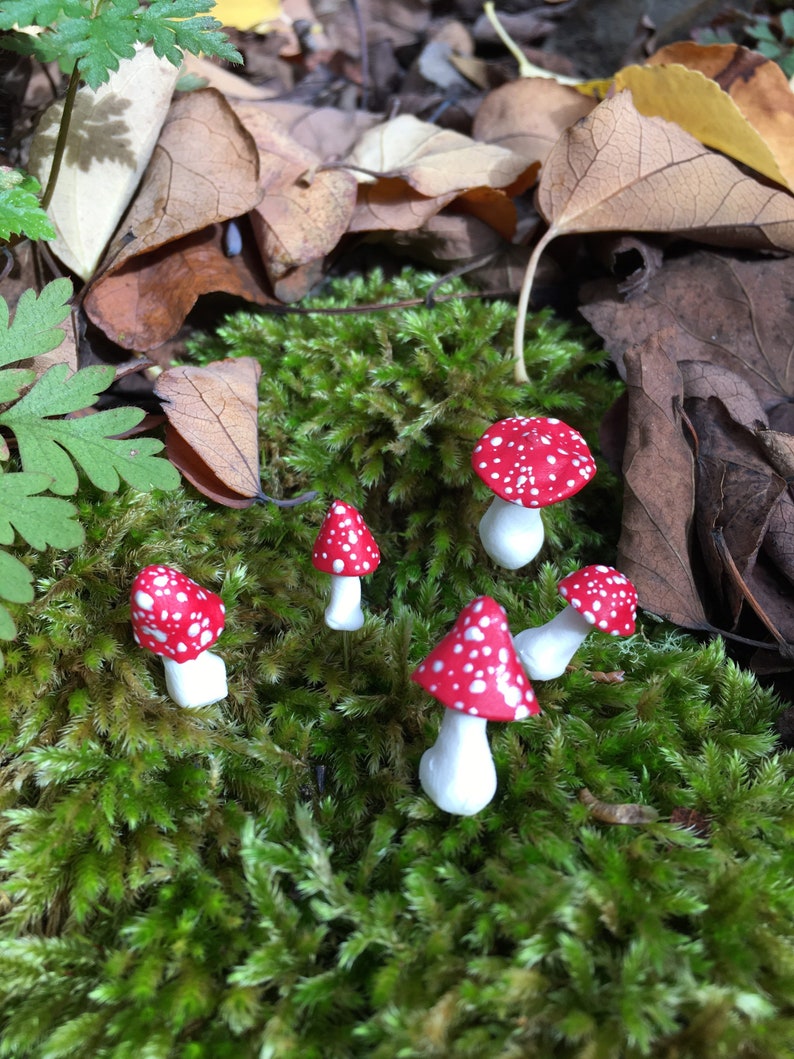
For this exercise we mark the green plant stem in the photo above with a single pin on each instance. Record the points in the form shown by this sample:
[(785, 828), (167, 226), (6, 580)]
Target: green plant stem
[(63, 133)]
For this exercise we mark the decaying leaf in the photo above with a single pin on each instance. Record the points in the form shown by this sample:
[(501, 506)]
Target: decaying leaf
[(203, 171), (303, 212), (112, 134), (659, 474), (213, 435), (631, 813), (709, 381), (433, 161), (618, 170)]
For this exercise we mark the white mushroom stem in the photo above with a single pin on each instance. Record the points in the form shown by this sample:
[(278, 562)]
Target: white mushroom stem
[(547, 649), (344, 608), (199, 682), (512, 535), (457, 773)]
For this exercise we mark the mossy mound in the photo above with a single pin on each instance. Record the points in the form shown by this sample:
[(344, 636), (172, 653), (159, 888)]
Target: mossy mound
[(263, 877)]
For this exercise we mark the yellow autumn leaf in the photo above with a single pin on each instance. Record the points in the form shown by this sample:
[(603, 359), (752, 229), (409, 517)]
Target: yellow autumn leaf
[(700, 106), (247, 14)]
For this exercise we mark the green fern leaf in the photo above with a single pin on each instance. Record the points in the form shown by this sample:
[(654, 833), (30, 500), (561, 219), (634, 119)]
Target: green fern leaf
[(20, 209), (41, 520), (48, 446), (34, 329), (16, 585), (95, 38)]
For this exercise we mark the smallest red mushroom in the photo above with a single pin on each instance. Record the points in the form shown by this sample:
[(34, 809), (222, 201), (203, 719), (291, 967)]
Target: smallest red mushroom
[(345, 549), (174, 617), (599, 598), (528, 463)]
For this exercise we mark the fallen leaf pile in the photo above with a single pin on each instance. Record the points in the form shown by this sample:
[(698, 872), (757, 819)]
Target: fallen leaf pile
[(257, 185), (708, 520)]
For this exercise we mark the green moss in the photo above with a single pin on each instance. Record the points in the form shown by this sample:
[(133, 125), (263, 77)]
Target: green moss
[(263, 877)]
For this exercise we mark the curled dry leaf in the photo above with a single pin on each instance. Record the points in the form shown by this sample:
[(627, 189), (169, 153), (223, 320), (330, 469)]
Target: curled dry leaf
[(213, 432), (708, 518), (433, 161), (204, 170), (617, 170)]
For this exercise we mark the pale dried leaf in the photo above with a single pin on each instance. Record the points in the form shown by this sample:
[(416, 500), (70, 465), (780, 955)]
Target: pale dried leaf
[(529, 115), (112, 134), (432, 160)]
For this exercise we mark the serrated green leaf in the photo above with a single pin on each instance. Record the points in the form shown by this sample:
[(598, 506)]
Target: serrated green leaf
[(8, 628), (13, 381), (34, 329), (96, 37), (20, 209), (40, 520), (48, 446), (16, 581)]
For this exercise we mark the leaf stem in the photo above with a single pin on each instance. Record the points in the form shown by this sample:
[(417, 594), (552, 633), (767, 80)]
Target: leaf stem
[(519, 364), (63, 133)]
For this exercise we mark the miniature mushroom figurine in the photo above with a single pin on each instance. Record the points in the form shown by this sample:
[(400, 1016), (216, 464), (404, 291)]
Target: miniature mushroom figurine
[(174, 617), (475, 673), (529, 463), (346, 550), (599, 597)]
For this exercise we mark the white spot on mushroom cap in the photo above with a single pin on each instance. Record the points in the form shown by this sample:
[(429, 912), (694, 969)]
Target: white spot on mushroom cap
[(143, 600)]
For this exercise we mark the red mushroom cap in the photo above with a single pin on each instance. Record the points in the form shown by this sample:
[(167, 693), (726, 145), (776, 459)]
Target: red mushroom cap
[(344, 545), (475, 667), (172, 615), (534, 461), (604, 597)]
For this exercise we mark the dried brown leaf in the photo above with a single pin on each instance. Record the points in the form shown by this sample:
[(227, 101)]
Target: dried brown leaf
[(433, 161), (627, 813), (213, 409), (529, 115), (655, 543), (203, 171), (303, 212), (144, 303)]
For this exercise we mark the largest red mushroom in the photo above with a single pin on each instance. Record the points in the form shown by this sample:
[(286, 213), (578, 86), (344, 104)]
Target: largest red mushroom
[(475, 673), (528, 463)]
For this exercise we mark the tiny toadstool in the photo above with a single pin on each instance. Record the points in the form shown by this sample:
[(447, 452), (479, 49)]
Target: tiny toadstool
[(599, 598), (529, 463), (176, 618), (345, 549), (475, 673)]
